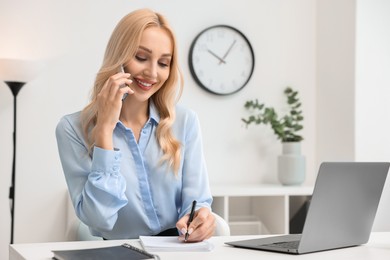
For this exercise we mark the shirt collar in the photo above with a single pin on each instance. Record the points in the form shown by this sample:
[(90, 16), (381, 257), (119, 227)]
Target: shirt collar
[(153, 112), (153, 115)]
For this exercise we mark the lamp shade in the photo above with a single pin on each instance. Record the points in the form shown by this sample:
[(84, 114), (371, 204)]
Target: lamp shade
[(19, 70)]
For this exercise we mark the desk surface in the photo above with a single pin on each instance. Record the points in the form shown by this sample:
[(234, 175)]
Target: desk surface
[(377, 248)]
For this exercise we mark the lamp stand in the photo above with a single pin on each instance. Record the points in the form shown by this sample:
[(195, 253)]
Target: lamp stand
[(15, 87)]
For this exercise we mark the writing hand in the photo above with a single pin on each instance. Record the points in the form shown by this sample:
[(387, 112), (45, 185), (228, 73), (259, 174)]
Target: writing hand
[(202, 227), (227, 52), (216, 56)]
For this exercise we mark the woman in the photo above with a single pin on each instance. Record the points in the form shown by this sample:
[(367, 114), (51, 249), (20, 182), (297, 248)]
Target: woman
[(134, 164)]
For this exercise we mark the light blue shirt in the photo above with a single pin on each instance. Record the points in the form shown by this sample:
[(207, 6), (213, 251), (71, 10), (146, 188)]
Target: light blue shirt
[(128, 192)]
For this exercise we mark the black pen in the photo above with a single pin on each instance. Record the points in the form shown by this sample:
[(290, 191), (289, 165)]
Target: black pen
[(190, 219)]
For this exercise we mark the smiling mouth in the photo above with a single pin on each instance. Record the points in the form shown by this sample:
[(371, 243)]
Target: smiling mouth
[(143, 85)]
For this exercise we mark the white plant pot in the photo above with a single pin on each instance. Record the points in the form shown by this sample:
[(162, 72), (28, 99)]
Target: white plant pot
[(291, 164)]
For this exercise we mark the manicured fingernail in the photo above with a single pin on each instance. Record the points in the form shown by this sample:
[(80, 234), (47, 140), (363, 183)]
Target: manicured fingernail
[(183, 231), (190, 231)]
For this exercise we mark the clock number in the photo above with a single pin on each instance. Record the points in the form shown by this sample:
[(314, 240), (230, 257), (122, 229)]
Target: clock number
[(209, 37), (243, 47), (200, 73), (234, 83), (202, 47), (210, 82), (221, 34), (196, 59)]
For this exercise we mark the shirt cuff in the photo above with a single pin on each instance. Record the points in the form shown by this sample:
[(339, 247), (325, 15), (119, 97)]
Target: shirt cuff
[(106, 160)]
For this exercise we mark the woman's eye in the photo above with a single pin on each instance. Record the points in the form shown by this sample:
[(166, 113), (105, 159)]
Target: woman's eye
[(139, 58), (163, 64)]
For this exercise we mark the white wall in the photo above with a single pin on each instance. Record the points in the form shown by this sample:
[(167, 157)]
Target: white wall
[(335, 118), (71, 36), (373, 92)]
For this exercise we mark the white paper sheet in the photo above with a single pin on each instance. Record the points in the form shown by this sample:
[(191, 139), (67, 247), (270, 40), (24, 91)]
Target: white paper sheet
[(172, 244)]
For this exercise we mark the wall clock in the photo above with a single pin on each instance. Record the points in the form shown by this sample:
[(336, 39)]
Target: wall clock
[(221, 59)]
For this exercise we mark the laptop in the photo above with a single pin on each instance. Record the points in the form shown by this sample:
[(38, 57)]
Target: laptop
[(341, 212)]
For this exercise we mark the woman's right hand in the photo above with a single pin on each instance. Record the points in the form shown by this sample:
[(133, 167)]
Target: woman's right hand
[(109, 103)]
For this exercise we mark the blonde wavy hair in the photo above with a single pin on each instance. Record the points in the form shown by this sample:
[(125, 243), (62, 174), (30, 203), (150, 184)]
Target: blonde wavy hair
[(122, 46)]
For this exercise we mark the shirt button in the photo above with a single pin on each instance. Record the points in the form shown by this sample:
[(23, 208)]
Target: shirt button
[(115, 168)]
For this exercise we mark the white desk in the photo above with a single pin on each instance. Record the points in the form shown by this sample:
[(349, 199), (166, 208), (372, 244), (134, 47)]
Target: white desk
[(377, 248)]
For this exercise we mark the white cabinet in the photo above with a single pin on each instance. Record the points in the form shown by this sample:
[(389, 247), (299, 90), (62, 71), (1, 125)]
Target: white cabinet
[(258, 209)]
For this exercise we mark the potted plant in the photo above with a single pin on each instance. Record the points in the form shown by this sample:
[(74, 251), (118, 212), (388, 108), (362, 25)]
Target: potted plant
[(291, 164)]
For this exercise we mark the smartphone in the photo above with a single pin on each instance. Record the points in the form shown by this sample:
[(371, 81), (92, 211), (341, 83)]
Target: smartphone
[(124, 85)]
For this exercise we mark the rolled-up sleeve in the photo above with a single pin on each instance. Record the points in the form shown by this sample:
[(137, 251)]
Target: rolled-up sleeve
[(96, 187)]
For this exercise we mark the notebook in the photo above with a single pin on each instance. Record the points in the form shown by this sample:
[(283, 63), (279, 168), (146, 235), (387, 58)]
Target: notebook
[(341, 213), (172, 244), (124, 251)]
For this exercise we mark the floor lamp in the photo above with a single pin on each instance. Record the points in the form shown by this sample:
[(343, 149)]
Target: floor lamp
[(15, 86), (16, 73)]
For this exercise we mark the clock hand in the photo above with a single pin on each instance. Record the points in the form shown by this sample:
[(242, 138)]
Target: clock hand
[(216, 56), (227, 52)]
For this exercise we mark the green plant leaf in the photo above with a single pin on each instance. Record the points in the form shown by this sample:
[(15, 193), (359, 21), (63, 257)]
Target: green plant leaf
[(285, 127)]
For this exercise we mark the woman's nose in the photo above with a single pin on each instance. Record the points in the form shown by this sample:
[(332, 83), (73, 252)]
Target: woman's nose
[(151, 71)]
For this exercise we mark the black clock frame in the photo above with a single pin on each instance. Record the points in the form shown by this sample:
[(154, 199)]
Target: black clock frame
[(190, 59)]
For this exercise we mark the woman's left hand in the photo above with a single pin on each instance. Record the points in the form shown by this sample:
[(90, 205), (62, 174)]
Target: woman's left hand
[(202, 226)]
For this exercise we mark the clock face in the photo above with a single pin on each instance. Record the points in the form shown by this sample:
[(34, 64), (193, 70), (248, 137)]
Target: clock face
[(221, 60)]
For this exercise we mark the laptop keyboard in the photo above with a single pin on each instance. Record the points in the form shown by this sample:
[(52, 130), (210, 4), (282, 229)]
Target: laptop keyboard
[(289, 244)]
